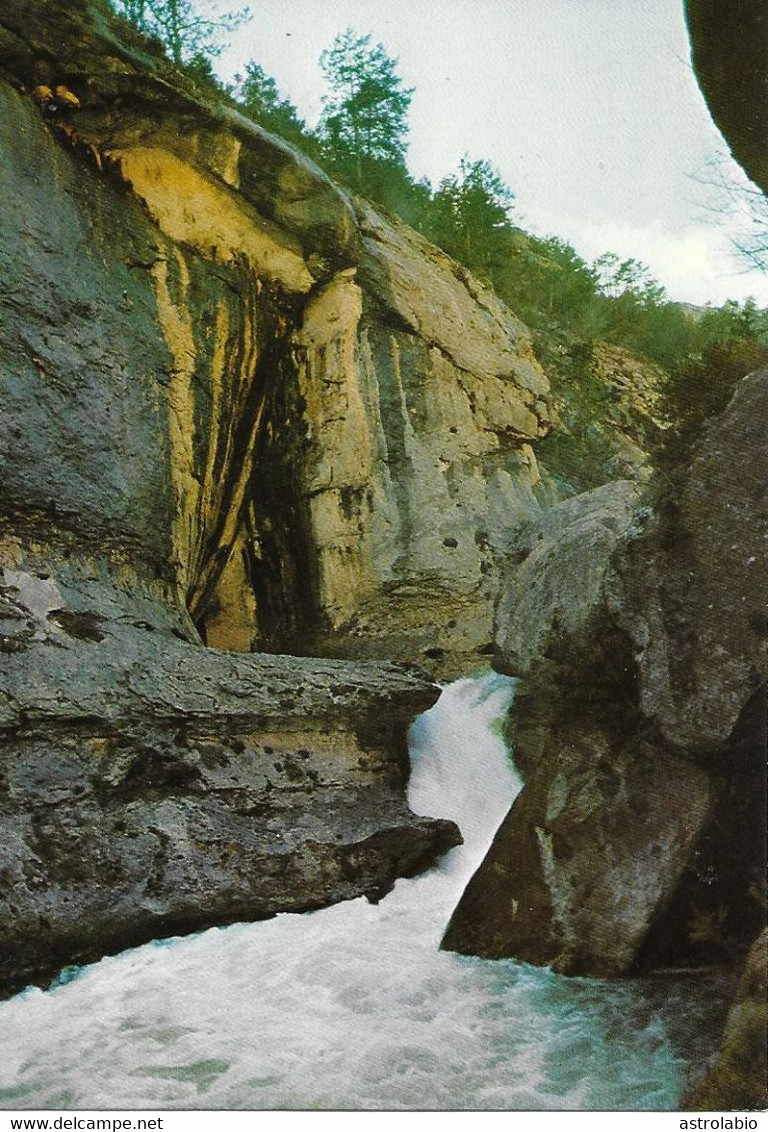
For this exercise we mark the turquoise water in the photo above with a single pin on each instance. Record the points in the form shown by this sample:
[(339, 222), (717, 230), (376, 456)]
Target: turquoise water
[(355, 1007)]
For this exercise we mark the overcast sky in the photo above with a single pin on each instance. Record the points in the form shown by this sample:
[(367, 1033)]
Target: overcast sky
[(588, 108)]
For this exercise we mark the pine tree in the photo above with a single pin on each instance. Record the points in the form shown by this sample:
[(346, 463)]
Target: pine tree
[(258, 94), (186, 34), (471, 217), (364, 118)]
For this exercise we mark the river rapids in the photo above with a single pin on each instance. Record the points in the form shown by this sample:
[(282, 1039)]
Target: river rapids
[(355, 1006)]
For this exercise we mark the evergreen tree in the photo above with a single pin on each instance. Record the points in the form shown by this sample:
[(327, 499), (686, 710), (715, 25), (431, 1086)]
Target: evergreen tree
[(188, 35), (562, 286), (363, 125), (470, 219), (258, 94)]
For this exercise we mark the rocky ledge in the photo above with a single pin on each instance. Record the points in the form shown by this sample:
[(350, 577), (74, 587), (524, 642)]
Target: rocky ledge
[(149, 787)]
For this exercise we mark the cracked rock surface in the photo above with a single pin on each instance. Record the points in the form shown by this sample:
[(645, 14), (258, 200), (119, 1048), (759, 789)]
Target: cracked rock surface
[(149, 787)]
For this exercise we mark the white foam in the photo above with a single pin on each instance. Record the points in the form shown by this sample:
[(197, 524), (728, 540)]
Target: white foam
[(353, 1006)]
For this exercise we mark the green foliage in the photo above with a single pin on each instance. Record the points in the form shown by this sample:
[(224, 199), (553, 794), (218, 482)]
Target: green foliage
[(470, 218), (363, 127), (733, 320), (258, 96), (700, 386), (579, 455), (569, 304), (189, 37)]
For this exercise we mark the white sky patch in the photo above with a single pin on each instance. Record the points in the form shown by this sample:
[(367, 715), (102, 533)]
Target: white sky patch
[(588, 108), (695, 265)]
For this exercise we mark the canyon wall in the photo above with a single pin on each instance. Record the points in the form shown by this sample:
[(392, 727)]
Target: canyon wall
[(638, 841), (328, 419), (244, 411)]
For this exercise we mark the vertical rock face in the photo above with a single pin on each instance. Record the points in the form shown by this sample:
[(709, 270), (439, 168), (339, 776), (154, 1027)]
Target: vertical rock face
[(239, 410), (343, 412), (696, 612), (136, 365), (415, 402), (560, 566), (603, 829), (639, 838)]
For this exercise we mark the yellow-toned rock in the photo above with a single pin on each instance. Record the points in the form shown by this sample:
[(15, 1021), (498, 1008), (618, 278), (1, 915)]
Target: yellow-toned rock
[(345, 414), (65, 97), (194, 210)]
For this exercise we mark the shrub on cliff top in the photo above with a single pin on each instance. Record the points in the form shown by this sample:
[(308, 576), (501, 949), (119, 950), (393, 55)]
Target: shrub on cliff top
[(187, 35)]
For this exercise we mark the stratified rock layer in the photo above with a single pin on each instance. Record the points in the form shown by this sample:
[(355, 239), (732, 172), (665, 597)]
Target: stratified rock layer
[(329, 418), (639, 838), (149, 787)]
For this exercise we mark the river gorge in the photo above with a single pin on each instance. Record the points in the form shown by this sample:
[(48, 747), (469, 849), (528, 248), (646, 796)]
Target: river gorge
[(282, 482), (355, 1006)]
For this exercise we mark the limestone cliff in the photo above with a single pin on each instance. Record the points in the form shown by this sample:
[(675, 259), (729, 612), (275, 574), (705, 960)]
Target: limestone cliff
[(241, 410), (639, 839), (344, 414)]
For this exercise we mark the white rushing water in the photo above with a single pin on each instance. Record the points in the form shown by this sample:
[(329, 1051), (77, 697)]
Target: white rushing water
[(354, 1006)]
